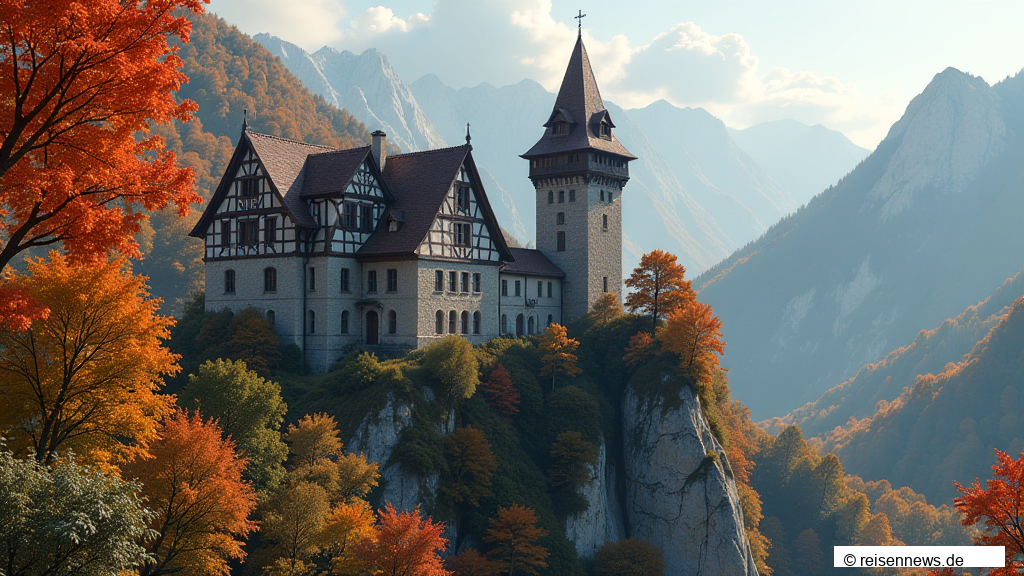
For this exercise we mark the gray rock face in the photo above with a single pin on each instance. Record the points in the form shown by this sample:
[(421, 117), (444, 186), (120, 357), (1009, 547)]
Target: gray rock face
[(376, 437), (602, 520), (679, 496)]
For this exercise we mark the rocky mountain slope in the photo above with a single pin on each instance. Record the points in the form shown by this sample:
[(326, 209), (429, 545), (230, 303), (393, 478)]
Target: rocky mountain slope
[(803, 159), (921, 229)]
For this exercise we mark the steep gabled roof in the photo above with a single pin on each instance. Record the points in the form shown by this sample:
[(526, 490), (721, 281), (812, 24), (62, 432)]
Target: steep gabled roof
[(330, 172), (419, 182), (285, 162), (579, 102), (531, 263)]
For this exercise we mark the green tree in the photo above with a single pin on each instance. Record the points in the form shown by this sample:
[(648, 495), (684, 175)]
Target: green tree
[(470, 466), (68, 519), (249, 409), (254, 341), (630, 557), (293, 524), (572, 459), (454, 366)]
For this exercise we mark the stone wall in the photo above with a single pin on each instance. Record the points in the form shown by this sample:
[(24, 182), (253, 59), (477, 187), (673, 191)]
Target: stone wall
[(529, 303)]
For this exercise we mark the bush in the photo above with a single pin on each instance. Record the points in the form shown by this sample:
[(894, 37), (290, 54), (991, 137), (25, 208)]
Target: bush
[(630, 557)]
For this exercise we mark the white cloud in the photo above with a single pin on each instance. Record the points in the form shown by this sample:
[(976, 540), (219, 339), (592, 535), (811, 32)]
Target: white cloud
[(379, 20), (308, 23)]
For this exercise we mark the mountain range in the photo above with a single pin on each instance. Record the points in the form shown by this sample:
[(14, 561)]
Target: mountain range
[(924, 227), (696, 190)]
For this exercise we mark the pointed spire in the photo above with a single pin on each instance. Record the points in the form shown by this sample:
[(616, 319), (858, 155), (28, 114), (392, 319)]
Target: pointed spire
[(579, 18), (468, 137), (245, 120)]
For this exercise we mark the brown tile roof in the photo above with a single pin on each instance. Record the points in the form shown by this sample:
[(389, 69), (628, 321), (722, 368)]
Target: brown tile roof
[(579, 101), (330, 172), (285, 161), (419, 182), (531, 263)]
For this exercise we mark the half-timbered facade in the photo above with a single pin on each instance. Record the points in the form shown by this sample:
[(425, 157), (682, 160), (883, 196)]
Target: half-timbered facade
[(344, 248)]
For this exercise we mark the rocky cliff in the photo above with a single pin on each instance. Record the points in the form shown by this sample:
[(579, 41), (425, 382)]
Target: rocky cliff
[(680, 493), (602, 520)]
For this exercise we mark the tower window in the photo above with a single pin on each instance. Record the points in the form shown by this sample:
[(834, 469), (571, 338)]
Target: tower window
[(560, 218), (560, 241), (551, 197), (438, 280), (311, 279), (518, 288), (344, 321), (371, 281), (392, 280), (270, 279), (604, 221), (229, 281), (392, 322), (345, 280), (572, 195), (561, 196)]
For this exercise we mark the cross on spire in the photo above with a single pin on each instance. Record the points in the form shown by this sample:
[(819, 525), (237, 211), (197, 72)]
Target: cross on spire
[(579, 18)]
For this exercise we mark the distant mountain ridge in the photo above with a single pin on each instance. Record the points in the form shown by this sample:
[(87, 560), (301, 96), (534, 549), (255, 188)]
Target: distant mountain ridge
[(693, 191), (921, 229)]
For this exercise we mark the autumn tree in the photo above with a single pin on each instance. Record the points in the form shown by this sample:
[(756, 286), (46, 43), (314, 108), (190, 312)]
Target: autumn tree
[(999, 509), (87, 377), (253, 341), (641, 349), (629, 557), (470, 466), (513, 536), (80, 86), (192, 478), (559, 353), (314, 438), (807, 555), (606, 308), (877, 532), (345, 526), (694, 333), (249, 409), (501, 395), (61, 518), (294, 524), (470, 562), (572, 459), (454, 366), (403, 544), (658, 286)]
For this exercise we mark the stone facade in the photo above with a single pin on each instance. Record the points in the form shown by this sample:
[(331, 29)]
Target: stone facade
[(528, 303)]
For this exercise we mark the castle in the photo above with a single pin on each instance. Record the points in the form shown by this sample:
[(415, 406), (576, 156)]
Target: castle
[(351, 247)]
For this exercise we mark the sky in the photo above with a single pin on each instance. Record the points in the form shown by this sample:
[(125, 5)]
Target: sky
[(851, 65)]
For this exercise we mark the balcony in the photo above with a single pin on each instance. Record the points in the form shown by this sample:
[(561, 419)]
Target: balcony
[(578, 168)]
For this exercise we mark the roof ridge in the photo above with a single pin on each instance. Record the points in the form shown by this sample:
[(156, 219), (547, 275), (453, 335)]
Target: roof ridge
[(327, 148), (421, 152), (336, 150)]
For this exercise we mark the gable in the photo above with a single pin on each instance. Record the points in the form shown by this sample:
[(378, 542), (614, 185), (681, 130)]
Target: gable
[(462, 229)]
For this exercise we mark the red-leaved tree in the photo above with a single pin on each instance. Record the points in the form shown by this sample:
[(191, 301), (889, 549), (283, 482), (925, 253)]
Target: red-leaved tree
[(403, 544), (999, 508), (501, 395)]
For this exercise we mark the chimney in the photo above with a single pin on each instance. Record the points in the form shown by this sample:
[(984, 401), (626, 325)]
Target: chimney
[(379, 147)]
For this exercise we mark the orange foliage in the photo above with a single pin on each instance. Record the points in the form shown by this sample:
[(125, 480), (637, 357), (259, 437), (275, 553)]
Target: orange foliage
[(502, 396), (559, 353), (85, 378), (694, 333), (1000, 509), (403, 545), (658, 286), (640, 349), (81, 83), (469, 562), (513, 536), (315, 438), (470, 466), (346, 526), (193, 480)]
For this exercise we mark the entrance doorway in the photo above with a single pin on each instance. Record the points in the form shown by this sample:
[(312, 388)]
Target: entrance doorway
[(372, 325), (519, 325)]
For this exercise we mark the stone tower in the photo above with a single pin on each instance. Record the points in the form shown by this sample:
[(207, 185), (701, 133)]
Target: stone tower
[(579, 169)]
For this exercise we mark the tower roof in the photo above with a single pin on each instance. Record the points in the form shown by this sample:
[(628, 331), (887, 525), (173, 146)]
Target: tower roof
[(579, 104)]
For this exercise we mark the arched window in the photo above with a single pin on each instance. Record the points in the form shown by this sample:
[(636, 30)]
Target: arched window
[(270, 279), (530, 326), (344, 321), (271, 317), (477, 318), (439, 322), (465, 322), (550, 320), (312, 322), (453, 318), (504, 324), (229, 281), (519, 325), (392, 322)]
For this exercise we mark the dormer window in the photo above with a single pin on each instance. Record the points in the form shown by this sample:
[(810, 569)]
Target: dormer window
[(560, 128), (606, 130)]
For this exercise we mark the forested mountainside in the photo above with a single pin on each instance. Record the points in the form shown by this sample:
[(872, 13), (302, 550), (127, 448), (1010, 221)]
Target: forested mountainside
[(947, 426), (228, 74), (885, 380), (921, 229)]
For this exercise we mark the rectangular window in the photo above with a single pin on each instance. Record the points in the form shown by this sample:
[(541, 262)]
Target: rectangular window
[(551, 197), (560, 218), (518, 288), (366, 218), (345, 280), (311, 279), (540, 288), (561, 196), (560, 236), (438, 280), (504, 287), (250, 187), (604, 221), (229, 281), (605, 280), (392, 280), (271, 224), (225, 232), (477, 280), (464, 282), (549, 289), (270, 279), (462, 198), (467, 234), (371, 281), (349, 215), (453, 281), (572, 195), (248, 232)]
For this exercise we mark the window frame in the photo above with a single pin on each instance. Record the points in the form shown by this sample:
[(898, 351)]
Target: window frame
[(438, 280), (270, 280), (345, 280), (371, 281), (229, 281), (560, 241), (477, 282), (464, 282), (453, 281), (392, 280), (344, 321)]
